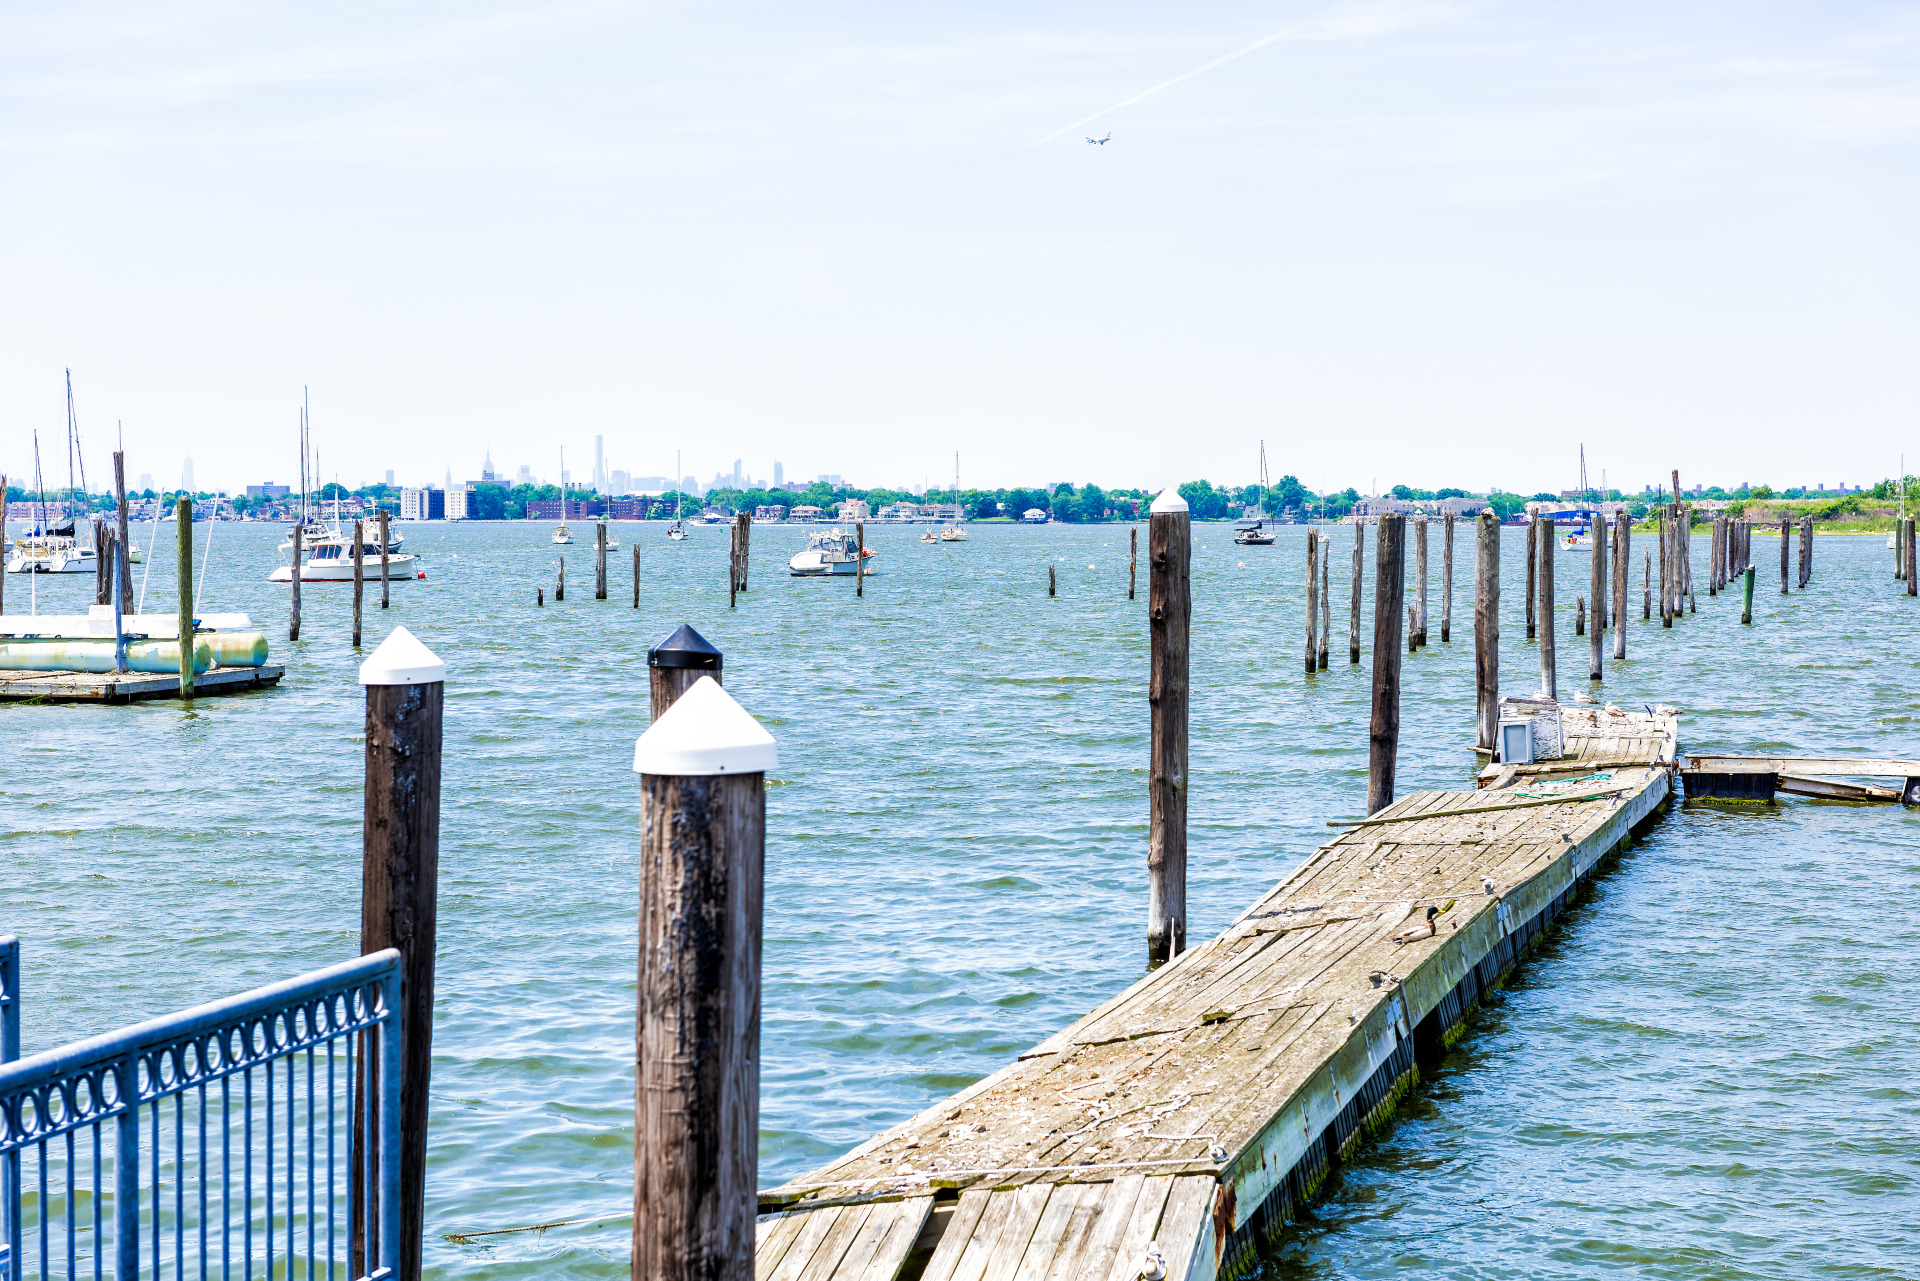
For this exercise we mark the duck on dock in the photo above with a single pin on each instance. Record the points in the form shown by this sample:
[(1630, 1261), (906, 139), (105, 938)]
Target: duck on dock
[(1425, 930)]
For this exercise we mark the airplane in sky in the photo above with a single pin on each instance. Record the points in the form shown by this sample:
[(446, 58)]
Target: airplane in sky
[(1101, 142)]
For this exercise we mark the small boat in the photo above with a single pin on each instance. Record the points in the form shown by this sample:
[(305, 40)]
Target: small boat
[(829, 552), (1253, 534), (1577, 543), (953, 534), (956, 532), (929, 537), (678, 530), (54, 551), (329, 558), (562, 535)]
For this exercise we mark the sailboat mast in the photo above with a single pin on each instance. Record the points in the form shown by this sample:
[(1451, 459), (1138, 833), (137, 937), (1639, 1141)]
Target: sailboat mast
[(66, 505)]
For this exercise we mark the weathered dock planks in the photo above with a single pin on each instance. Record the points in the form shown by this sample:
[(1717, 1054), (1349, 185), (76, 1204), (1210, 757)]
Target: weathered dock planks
[(1194, 1111), (125, 687)]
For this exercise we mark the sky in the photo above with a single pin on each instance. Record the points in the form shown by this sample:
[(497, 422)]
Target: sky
[(1438, 244)]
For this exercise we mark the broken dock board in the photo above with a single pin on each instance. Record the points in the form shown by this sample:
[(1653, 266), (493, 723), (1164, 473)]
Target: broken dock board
[(1197, 1109), (125, 687)]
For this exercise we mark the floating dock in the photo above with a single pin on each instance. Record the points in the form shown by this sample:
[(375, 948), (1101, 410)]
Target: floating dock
[(1170, 1130), (126, 687)]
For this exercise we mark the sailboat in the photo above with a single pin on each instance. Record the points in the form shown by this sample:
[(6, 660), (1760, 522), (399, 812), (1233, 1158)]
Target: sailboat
[(49, 548), (955, 532), (1580, 538), (561, 534), (326, 552), (1252, 530), (678, 530)]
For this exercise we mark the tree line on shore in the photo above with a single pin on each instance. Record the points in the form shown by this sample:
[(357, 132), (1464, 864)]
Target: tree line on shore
[(1063, 502)]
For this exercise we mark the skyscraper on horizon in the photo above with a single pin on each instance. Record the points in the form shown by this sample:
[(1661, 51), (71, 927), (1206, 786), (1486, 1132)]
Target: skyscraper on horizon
[(779, 475), (186, 476), (600, 464)]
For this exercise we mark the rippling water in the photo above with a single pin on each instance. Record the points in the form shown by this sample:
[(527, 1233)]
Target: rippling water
[(1708, 1071)]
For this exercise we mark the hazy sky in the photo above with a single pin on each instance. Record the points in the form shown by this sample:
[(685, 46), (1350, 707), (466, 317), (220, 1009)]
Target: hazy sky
[(1426, 243)]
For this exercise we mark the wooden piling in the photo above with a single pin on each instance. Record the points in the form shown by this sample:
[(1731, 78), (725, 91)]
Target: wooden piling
[(860, 561), (1326, 598), (183, 516), (359, 577), (1549, 676), (743, 522), (1913, 580), (1313, 599), (733, 566), (1622, 563), (599, 560), (1389, 596), (123, 540), (1533, 570), (1413, 629), (1486, 627), (1169, 616), (1786, 542), (636, 572), (1420, 579), (1052, 586), (385, 550), (1580, 616), (293, 617), (1713, 558), (1686, 557), (1666, 567), (675, 664), (540, 596), (702, 865), (1597, 591), (1353, 623), (1646, 586), (102, 564), (560, 582), (400, 874), (1446, 578), (1746, 596), (1133, 557)]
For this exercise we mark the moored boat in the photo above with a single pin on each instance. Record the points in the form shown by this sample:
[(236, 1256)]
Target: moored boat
[(827, 553)]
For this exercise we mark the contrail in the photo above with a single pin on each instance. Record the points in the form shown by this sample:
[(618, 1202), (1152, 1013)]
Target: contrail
[(1261, 43)]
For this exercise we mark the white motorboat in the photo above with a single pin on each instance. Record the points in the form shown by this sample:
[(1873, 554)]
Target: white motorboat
[(562, 535), (829, 552), (315, 532), (678, 530), (1577, 543), (329, 559), (53, 552), (929, 537)]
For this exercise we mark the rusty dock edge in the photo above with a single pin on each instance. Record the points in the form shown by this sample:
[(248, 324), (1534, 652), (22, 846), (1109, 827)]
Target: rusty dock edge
[(1189, 1117), (1355, 1092)]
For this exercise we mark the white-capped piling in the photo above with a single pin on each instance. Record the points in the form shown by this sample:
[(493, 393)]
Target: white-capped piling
[(703, 829), (400, 876), (1389, 598), (1169, 616)]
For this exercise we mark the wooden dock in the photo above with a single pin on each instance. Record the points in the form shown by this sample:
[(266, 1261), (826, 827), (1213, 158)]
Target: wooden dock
[(125, 687), (1184, 1120)]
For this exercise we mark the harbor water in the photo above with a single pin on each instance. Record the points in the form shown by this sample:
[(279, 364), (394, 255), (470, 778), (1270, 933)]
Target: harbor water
[(1706, 1071)]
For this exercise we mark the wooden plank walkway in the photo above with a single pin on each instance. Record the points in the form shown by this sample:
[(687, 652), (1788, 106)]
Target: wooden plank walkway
[(1192, 1113), (125, 687)]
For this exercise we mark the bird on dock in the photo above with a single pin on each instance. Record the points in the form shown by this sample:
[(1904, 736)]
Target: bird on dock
[(1581, 696), (1425, 930)]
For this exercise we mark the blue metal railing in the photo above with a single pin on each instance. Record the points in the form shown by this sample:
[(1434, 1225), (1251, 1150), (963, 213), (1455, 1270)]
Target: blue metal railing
[(229, 1147)]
